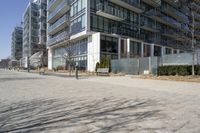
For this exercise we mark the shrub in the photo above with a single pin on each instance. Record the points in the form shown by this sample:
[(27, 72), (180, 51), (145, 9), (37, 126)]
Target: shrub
[(104, 63), (181, 70), (97, 66), (60, 68)]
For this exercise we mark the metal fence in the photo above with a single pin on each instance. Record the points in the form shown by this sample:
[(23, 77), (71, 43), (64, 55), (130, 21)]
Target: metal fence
[(136, 66)]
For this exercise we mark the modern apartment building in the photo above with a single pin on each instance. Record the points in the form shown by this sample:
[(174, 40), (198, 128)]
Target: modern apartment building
[(117, 29), (34, 29), (16, 46)]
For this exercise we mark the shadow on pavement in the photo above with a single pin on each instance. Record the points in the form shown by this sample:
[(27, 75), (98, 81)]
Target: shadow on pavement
[(97, 116), (18, 78)]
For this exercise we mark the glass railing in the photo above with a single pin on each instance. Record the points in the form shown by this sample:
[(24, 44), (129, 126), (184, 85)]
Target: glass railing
[(149, 24), (176, 12), (110, 10), (58, 38), (58, 23), (124, 31), (58, 9), (165, 18), (134, 3), (51, 3)]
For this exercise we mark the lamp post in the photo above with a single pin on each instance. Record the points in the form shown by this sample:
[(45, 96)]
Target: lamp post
[(193, 41)]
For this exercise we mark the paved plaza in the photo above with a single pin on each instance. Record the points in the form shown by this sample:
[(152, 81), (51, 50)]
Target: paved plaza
[(49, 104)]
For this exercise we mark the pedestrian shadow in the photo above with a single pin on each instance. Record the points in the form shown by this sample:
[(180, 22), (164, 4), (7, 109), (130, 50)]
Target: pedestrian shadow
[(96, 116)]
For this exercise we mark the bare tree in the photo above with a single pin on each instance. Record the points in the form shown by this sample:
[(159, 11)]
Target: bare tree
[(68, 56)]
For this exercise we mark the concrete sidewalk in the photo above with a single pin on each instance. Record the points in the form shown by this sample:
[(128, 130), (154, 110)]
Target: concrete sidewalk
[(35, 103)]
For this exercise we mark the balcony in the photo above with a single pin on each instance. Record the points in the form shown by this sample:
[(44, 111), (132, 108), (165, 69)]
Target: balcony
[(154, 3), (109, 12), (52, 4), (124, 31), (173, 2), (158, 16), (132, 5), (149, 26), (60, 10), (179, 36), (59, 25), (60, 37), (175, 13)]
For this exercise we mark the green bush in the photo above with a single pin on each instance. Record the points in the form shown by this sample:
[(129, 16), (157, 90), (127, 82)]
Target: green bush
[(97, 66), (181, 70), (104, 63)]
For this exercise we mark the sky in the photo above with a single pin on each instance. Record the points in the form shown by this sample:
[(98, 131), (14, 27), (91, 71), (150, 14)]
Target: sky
[(11, 12)]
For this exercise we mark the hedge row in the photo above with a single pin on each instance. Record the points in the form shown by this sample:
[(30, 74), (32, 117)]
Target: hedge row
[(181, 70)]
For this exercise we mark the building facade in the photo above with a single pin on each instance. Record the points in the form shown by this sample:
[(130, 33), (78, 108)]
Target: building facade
[(34, 27), (92, 29), (17, 42)]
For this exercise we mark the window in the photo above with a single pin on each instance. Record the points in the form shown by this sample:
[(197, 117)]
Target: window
[(78, 25), (135, 49), (77, 7)]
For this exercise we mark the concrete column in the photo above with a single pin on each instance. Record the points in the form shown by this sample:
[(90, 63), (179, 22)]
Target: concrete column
[(142, 49), (93, 55), (178, 51), (172, 51), (152, 50), (87, 19), (119, 48), (163, 51), (128, 47), (50, 59)]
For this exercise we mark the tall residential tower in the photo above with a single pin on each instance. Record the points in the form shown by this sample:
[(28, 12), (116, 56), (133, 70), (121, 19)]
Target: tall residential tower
[(117, 29), (34, 35), (16, 46)]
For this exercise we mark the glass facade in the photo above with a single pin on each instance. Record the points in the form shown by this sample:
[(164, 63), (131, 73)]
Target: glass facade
[(157, 51), (76, 53), (135, 49), (123, 48), (109, 47), (17, 42), (78, 25), (147, 50), (78, 16)]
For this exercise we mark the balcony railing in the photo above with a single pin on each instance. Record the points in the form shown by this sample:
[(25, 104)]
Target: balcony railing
[(175, 13), (62, 20), (154, 3), (149, 24), (109, 10), (51, 2), (60, 37), (164, 19), (124, 31), (58, 9), (134, 3)]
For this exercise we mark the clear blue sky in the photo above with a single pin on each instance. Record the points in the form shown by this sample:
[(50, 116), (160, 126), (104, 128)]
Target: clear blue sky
[(11, 12)]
